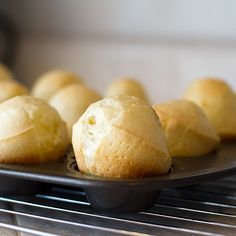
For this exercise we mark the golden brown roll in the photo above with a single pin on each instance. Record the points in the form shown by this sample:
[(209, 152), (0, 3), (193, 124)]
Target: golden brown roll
[(127, 86), (120, 137), (10, 89), (31, 131), (72, 101), (5, 73), (52, 81), (187, 129), (218, 101)]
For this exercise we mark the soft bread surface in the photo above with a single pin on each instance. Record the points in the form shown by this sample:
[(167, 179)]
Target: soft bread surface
[(72, 101), (51, 82), (187, 129), (127, 86), (5, 73), (218, 101), (120, 137), (10, 89), (31, 131)]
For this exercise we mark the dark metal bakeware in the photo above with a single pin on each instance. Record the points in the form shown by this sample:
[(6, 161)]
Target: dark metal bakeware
[(118, 195)]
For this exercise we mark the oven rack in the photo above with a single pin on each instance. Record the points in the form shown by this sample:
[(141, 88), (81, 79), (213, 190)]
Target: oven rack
[(205, 209)]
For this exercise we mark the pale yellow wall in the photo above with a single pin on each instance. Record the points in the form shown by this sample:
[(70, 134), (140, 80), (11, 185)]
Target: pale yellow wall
[(164, 43)]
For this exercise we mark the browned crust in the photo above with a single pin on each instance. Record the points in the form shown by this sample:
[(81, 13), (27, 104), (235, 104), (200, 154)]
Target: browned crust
[(24, 148), (120, 154), (183, 141)]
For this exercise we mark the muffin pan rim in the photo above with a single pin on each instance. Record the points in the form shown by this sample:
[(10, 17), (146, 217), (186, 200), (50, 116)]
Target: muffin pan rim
[(46, 173)]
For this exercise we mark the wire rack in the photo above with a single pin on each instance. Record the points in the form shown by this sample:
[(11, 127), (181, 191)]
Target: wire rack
[(206, 209)]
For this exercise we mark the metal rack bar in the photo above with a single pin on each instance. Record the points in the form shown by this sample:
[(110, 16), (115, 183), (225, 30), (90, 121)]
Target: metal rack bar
[(206, 209)]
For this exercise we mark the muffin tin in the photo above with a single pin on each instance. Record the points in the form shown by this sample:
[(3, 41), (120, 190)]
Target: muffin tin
[(118, 195)]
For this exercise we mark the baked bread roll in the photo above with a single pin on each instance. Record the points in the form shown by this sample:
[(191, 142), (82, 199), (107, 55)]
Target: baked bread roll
[(120, 137), (5, 73), (72, 101), (187, 129), (218, 101), (127, 86), (10, 89), (49, 83), (31, 131)]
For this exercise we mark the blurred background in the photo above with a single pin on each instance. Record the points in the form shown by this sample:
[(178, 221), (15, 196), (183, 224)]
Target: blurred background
[(163, 43)]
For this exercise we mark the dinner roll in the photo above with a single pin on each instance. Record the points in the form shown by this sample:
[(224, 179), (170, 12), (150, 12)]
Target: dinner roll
[(72, 101), (120, 137), (31, 131), (218, 101), (10, 89), (49, 83), (187, 129), (5, 73), (127, 86)]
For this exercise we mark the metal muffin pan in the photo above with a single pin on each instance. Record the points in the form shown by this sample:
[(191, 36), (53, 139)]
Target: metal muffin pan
[(118, 195)]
